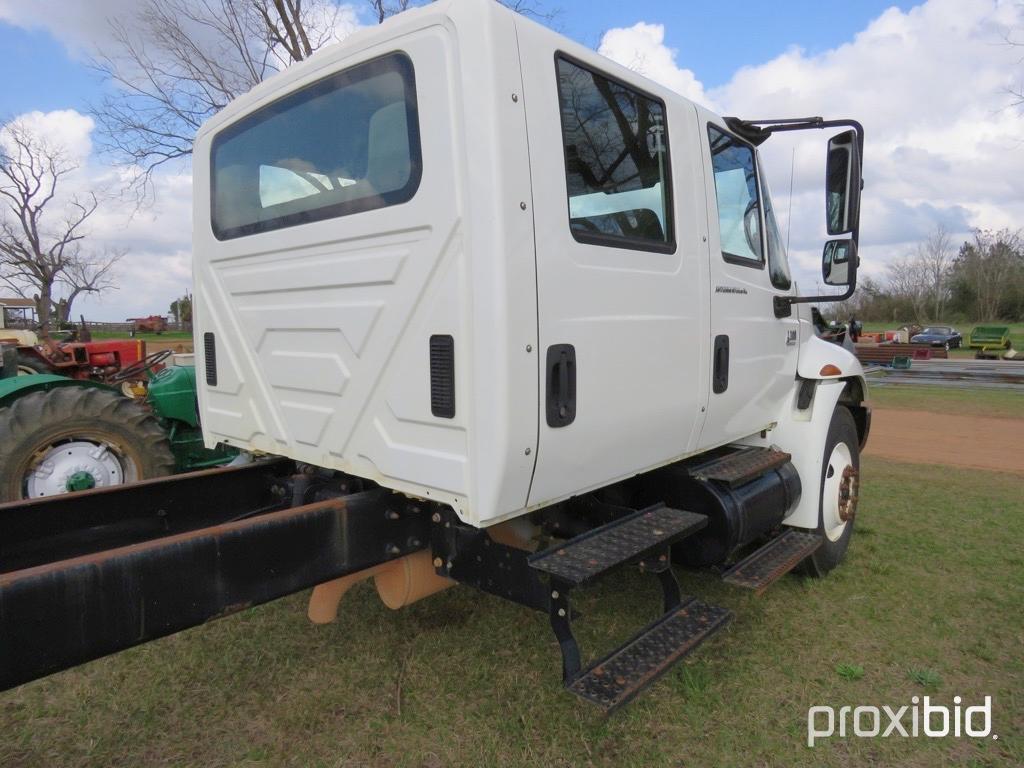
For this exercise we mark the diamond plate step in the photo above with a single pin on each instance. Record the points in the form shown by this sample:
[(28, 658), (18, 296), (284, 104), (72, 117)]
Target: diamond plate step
[(742, 466), (622, 674), (626, 540), (772, 561)]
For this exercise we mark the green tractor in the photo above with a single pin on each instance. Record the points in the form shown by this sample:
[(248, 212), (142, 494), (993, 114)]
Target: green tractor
[(59, 435)]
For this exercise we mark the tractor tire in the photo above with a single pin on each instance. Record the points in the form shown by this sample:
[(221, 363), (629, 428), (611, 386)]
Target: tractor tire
[(77, 438), (28, 365), (842, 451)]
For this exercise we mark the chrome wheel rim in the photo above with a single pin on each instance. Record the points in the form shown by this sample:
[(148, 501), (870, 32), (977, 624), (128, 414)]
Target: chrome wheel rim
[(77, 464)]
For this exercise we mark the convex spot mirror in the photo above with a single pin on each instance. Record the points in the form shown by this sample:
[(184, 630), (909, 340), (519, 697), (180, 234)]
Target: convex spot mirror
[(843, 184), (837, 260)]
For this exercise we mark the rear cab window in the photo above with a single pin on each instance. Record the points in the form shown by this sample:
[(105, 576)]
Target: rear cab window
[(346, 144), (617, 165)]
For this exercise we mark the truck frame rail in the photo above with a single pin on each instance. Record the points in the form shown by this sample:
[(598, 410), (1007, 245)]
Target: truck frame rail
[(98, 572)]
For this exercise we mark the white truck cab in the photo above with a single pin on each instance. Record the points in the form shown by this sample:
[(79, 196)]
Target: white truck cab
[(405, 247)]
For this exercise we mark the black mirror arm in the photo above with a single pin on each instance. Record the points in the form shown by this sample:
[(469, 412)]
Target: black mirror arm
[(758, 132)]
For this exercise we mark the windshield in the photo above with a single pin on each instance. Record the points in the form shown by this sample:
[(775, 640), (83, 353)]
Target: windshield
[(346, 144), (778, 261), (937, 330)]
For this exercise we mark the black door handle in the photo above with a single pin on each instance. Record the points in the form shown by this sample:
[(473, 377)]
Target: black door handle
[(561, 385), (720, 377)]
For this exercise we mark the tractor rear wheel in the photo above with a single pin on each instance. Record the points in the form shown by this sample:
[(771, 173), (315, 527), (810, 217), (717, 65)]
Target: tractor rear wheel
[(28, 365), (78, 438)]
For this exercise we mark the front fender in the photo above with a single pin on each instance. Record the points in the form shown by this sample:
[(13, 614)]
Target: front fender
[(816, 353), (19, 386)]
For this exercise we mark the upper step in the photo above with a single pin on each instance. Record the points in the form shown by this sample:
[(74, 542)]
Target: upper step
[(626, 540), (741, 466)]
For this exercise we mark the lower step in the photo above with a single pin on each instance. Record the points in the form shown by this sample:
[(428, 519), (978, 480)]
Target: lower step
[(772, 561), (622, 674)]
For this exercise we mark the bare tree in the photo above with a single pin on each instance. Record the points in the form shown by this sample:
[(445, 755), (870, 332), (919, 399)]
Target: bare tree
[(909, 282), (175, 63), (41, 235), (935, 258), (383, 9), (85, 274)]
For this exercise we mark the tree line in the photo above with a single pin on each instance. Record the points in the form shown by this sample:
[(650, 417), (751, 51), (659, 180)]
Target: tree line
[(981, 279)]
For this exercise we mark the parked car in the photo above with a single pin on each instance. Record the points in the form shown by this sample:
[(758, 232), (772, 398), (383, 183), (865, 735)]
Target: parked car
[(939, 336)]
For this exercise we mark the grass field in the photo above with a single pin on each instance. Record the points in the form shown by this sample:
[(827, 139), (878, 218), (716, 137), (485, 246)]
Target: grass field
[(928, 602), (997, 403), (1016, 333)]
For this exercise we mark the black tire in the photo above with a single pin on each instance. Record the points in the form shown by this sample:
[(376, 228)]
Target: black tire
[(40, 420), (28, 365), (831, 553)]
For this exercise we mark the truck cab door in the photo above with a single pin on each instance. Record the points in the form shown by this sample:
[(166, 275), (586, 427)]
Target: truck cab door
[(621, 274), (754, 353)]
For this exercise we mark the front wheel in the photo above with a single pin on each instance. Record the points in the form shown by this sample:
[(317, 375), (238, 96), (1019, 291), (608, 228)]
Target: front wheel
[(75, 439), (839, 488)]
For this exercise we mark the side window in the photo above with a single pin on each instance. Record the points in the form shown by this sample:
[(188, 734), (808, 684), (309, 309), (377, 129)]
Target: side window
[(739, 214), (616, 162)]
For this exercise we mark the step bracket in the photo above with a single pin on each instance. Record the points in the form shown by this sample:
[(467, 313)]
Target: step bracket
[(643, 538)]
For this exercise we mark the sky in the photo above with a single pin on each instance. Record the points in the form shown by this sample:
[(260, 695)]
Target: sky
[(929, 80)]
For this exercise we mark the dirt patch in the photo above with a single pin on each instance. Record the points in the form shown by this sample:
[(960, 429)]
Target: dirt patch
[(977, 442)]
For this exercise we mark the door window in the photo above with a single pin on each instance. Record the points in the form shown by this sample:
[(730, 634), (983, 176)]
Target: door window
[(616, 162), (739, 207)]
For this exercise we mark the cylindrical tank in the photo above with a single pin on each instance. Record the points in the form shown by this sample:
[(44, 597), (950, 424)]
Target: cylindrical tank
[(736, 516)]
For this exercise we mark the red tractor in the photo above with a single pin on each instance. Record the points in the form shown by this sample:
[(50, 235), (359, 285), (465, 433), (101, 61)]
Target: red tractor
[(110, 361)]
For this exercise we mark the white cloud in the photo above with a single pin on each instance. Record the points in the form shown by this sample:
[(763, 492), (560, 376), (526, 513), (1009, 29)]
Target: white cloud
[(642, 48), (930, 85), (83, 26), (66, 129), (79, 25)]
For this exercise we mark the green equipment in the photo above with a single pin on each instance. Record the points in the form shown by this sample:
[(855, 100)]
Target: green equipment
[(60, 435), (989, 336)]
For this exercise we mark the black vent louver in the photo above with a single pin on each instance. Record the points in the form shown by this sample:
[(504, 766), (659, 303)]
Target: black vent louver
[(210, 354), (442, 376)]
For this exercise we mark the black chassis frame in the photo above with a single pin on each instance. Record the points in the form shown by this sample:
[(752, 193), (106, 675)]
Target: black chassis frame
[(90, 574)]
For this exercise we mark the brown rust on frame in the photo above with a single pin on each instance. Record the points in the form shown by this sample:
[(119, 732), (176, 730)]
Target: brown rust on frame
[(214, 531)]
